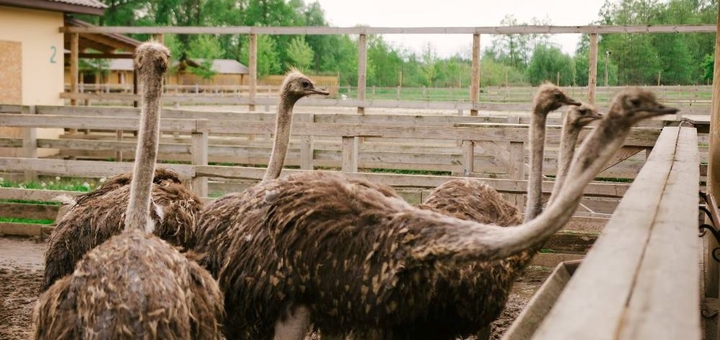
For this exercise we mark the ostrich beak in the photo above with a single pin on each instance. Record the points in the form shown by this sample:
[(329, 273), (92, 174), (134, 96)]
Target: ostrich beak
[(570, 101), (318, 91), (663, 110)]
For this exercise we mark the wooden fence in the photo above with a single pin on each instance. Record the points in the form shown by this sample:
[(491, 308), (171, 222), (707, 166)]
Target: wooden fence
[(641, 279)]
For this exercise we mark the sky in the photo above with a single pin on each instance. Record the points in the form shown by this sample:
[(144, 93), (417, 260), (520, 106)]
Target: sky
[(459, 13)]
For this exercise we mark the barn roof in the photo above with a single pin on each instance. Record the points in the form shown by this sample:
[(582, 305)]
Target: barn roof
[(109, 45), (221, 66), (93, 7)]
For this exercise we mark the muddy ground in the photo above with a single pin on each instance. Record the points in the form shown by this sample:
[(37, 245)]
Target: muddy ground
[(21, 264)]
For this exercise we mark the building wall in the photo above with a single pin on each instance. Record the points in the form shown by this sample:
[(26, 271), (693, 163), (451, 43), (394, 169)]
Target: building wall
[(36, 33), (42, 52)]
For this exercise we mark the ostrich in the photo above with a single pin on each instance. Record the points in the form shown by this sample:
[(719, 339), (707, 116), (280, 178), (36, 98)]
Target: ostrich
[(543, 105), (475, 294), (575, 119), (352, 256), (295, 86), (135, 285), (96, 216)]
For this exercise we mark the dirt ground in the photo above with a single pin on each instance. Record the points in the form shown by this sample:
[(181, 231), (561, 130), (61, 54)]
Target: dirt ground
[(21, 264)]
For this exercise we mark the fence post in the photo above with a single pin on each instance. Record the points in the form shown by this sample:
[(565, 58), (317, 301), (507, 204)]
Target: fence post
[(199, 150), (517, 168), (306, 144), (119, 138), (362, 69), (253, 71), (468, 159), (29, 142), (350, 153), (592, 75), (475, 76)]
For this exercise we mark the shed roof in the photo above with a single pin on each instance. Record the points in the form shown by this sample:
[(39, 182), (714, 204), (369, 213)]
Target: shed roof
[(93, 7), (221, 66), (110, 45)]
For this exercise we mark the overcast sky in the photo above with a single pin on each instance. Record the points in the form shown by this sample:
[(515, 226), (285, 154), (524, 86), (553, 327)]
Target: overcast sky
[(419, 13)]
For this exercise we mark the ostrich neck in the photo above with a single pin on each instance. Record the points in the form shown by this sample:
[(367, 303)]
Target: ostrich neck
[(537, 148), (283, 124), (463, 241), (137, 214), (568, 140)]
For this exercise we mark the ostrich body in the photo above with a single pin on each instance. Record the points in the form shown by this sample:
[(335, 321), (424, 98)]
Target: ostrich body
[(96, 216), (352, 256), (474, 295), (134, 285)]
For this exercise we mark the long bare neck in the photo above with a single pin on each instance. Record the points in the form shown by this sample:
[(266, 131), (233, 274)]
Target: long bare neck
[(568, 140), (137, 214), (283, 125), (537, 153), (459, 240)]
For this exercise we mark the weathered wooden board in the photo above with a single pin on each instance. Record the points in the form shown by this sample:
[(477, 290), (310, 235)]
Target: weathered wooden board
[(31, 211)]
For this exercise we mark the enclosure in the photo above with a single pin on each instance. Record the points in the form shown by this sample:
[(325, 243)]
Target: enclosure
[(645, 202)]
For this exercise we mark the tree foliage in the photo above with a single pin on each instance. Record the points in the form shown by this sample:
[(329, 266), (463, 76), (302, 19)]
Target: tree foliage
[(511, 59)]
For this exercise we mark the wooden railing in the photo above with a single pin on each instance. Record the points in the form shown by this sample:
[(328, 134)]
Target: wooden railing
[(641, 278)]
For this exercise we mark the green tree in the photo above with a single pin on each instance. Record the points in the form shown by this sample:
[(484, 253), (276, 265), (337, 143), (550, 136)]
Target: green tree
[(429, 65), (205, 49), (708, 66), (547, 63), (300, 55), (268, 61)]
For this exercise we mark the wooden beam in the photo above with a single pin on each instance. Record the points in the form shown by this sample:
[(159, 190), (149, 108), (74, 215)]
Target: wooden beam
[(200, 157), (74, 65), (475, 81), (322, 30), (714, 147), (592, 72), (253, 71), (90, 55), (362, 70)]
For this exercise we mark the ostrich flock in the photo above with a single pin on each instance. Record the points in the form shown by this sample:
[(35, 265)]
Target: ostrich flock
[(143, 258)]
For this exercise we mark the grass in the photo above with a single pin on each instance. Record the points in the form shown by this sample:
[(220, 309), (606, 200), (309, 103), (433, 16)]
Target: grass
[(57, 183), (25, 220), (412, 172)]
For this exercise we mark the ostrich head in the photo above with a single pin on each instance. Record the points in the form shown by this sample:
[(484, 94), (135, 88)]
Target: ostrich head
[(296, 85), (582, 115), (636, 104), (549, 97), (152, 54)]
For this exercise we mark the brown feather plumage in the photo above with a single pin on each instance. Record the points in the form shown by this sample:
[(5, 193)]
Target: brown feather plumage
[(101, 214)]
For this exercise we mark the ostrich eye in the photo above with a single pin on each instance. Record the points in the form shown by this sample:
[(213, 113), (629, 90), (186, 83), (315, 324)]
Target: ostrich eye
[(305, 83), (558, 95), (635, 102), (583, 112)]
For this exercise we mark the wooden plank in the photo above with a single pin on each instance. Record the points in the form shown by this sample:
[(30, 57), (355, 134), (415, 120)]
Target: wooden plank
[(540, 304), (350, 153), (20, 229), (34, 211), (29, 137), (517, 160), (80, 168), (200, 158), (80, 122), (127, 146), (418, 181), (33, 194), (468, 159), (516, 29), (606, 278), (667, 288), (74, 63)]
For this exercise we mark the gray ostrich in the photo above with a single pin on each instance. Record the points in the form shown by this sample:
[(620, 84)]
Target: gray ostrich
[(352, 256), (135, 285)]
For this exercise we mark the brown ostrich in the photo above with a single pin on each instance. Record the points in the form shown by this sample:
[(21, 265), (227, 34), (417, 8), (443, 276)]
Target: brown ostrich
[(576, 118), (135, 285), (543, 104), (96, 216), (353, 257), (474, 295), (295, 86)]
